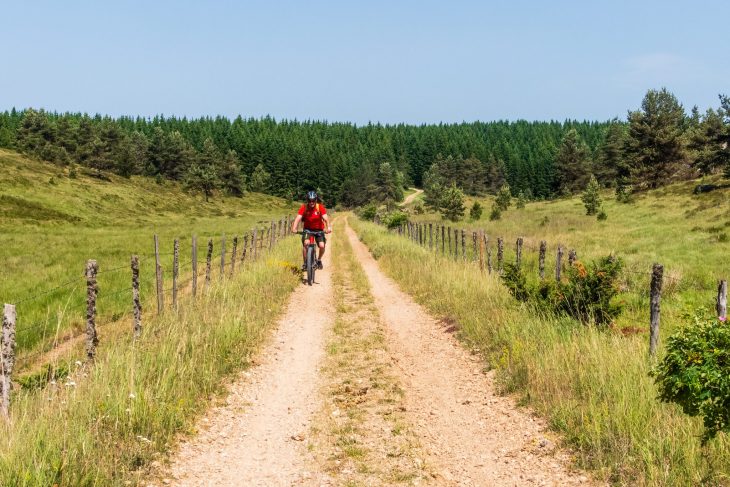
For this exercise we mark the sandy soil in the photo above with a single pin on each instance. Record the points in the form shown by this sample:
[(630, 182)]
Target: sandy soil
[(472, 435), (257, 437)]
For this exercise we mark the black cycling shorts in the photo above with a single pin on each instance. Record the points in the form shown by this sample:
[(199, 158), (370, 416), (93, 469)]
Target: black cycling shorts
[(317, 238)]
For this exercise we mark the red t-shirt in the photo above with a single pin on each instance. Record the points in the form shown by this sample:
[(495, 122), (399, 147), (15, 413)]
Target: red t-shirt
[(313, 218)]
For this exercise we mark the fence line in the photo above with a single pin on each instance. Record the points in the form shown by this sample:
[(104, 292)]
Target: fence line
[(262, 241)]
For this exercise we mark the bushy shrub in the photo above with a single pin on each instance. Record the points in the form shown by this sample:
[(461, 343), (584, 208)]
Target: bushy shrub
[(585, 294), (418, 208), (394, 219), (368, 212), (601, 216), (695, 373), (475, 213), (496, 212)]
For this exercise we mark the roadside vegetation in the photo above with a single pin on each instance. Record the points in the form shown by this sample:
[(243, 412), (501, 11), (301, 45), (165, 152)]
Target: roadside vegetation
[(52, 221), (592, 383), (103, 424)]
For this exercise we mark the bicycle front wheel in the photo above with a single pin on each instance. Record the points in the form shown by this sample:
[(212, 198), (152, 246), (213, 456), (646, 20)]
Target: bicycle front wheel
[(311, 264)]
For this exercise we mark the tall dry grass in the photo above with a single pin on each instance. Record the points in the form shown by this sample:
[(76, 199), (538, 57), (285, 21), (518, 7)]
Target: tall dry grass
[(592, 386)]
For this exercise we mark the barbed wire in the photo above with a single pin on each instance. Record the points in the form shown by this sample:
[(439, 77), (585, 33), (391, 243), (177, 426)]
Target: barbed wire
[(49, 291)]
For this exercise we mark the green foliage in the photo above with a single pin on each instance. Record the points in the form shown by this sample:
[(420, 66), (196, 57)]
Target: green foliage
[(418, 208), (655, 146), (591, 197), (521, 200), (585, 294), (504, 197), (368, 212), (602, 216), (260, 179), (452, 204), (695, 373), (624, 193), (394, 219), (475, 213), (496, 213), (571, 163)]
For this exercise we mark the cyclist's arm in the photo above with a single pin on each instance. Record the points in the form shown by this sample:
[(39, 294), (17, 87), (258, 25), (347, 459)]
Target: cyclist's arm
[(327, 226), (295, 224)]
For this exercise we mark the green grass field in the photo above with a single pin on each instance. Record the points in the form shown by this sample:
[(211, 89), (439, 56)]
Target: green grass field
[(50, 224)]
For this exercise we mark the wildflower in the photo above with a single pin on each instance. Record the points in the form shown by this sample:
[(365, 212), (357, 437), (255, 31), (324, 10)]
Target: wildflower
[(132, 395), (722, 318), (70, 384)]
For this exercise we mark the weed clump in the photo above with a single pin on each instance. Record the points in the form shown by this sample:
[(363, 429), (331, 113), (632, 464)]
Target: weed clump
[(586, 293)]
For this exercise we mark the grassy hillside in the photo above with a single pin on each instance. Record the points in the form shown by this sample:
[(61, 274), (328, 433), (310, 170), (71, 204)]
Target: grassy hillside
[(689, 234), (51, 223)]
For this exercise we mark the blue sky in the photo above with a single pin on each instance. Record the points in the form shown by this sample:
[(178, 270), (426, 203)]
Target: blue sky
[(390, 62)]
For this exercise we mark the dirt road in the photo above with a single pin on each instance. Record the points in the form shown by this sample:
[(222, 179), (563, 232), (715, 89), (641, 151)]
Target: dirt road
[(395, 400), (256, 437), (411, 197)]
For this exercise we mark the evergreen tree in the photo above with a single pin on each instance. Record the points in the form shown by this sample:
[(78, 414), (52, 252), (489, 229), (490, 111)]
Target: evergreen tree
[(708, 143), (452, 207), (260, 179), (504, 198), (591, 197), (521, 200), (202, 178), (233, 181), (475, 213), (655, 146), (571, 163), (610, 168)]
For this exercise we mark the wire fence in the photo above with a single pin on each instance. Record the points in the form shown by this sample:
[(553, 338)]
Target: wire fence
[(75, 299)]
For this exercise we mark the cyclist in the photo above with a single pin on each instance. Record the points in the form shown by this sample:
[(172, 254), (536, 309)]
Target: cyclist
[(314, 215)]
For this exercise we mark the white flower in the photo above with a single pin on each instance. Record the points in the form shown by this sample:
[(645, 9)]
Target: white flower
[(70, 384), (131, 395)]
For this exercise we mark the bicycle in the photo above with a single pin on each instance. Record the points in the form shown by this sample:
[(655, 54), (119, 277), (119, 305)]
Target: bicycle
[(311, 258)]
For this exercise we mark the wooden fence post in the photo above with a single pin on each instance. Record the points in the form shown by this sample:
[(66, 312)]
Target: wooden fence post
[(234, 255), (463, 244), (489, 254), (208, 262), (271, 236), (500, 254), (475, 257), (481, 251), (254, 247), (518, 252), (158, 278), (175, 270), (136, 304), (443, 243), (223, 256), (194, 263), (572, 257), (8, 355), (722, 300), (245, 246), (558, 263), (656, 297), (449, 233), (91, 292), (430, 236), (541, 259)]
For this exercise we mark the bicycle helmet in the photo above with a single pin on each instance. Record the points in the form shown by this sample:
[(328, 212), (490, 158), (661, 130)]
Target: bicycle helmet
[(311, 196)]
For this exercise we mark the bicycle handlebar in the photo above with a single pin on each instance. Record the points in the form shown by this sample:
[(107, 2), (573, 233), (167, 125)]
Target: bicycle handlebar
[(311, 232)]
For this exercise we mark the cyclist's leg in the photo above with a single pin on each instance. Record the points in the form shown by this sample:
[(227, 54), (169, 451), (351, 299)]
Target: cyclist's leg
[(321, 249)]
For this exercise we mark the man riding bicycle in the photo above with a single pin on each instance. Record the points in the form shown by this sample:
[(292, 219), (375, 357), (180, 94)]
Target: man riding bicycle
[(314, 215)]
